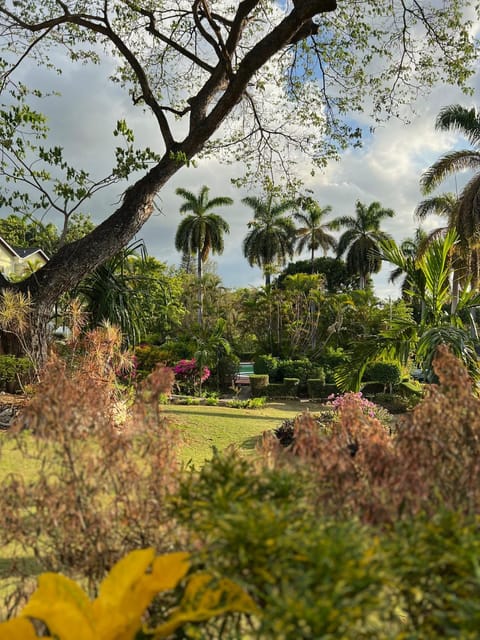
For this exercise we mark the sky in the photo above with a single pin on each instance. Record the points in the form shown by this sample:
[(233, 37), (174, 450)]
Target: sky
[(386, 169)]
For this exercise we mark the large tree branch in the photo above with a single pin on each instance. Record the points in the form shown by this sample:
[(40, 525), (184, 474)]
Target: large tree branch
[(137, 206)]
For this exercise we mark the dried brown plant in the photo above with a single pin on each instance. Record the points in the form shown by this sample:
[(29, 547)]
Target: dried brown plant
[(431, 462), (98, 491)]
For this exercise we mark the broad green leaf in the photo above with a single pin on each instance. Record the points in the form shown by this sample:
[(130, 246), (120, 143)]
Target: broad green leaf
[(17, 629), (63, 606)]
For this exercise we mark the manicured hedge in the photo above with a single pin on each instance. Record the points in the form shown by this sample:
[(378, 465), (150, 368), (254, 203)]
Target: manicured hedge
[(258, 384)]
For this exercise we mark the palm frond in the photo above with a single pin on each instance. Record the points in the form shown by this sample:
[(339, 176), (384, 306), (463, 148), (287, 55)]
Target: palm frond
[(458, 118)]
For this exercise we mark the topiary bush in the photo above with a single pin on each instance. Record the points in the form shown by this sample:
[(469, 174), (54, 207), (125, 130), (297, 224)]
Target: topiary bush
[(316, 388), (258, 384), (266, 364), (387, 373)]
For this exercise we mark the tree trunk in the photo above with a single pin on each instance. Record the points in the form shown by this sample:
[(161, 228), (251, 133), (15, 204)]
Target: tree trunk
[(200, 287), (208, 109)]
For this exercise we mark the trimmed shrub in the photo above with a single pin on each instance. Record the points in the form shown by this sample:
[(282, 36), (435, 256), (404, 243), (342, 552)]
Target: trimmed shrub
[(266, 364), (384, 372), (291, 387), (258, 384), (316, 387), (286, 389), (301, 369)]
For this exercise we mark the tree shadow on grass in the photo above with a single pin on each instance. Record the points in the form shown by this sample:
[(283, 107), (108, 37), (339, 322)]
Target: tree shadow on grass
[(250, 444)]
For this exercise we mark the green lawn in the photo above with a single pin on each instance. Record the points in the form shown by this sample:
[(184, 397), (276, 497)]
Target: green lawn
[(204, 427)]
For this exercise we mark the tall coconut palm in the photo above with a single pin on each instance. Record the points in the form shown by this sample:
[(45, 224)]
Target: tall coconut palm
[(271, 238), (202, 231), (466, 220), (360, 240), (313, 235)]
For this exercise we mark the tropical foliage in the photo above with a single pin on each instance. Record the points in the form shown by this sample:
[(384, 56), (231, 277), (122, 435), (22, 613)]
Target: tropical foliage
[(429, 278), (202, 231), (312, 234), (464, 216), (360, 240), (271, 238)]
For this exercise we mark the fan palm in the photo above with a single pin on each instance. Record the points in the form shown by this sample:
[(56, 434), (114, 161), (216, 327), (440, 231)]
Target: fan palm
[(271, 238), (360, 240), (202, 231), (313, 234), (466, 219)]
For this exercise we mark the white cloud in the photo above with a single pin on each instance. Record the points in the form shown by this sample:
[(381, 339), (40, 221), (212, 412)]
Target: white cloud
[(387, 169)]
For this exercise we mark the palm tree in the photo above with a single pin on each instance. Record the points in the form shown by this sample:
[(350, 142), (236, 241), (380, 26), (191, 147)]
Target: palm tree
[(313, 234), (201, 232), (447, 205), (272, 235), (360, 240), (466, 220), (407, 256), (437, 326)]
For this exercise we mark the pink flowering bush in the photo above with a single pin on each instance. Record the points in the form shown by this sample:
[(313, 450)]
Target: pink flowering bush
[(188, 375), (346, 402), (339, 402)]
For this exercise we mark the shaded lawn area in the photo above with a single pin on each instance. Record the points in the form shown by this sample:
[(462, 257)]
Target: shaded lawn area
[(204, 427)]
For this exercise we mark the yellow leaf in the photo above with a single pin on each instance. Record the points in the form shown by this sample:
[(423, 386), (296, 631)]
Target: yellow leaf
[(17, 629), (128, 590), (168, 570), (62, 605), (204, 598), (116, 588)]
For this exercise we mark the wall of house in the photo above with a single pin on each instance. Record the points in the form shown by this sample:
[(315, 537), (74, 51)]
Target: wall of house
[(6, 264), (16, 268)]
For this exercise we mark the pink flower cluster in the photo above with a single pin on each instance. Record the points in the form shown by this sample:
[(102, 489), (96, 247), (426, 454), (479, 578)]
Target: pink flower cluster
[(338, 402), (189, 368)]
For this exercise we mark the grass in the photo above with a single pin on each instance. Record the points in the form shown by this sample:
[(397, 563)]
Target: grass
[(205, 427), (202, 427)]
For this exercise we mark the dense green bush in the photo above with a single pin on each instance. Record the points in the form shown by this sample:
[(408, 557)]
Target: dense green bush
[(388, 373), (266, 364), (223, 373), (258, 384), (316, 388), (301, 369), (329, 361), (315, 576), (394, 402), (14, 372), (147, 357), (286, 389)]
